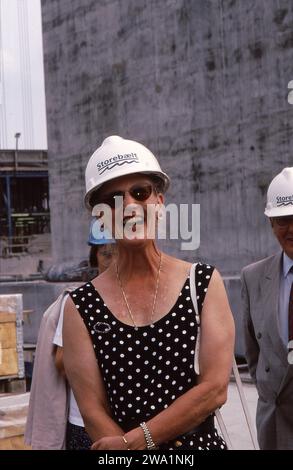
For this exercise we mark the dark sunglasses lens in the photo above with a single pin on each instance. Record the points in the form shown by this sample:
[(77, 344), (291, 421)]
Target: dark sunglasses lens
[(112, 198), (141, 193), (284, 221)]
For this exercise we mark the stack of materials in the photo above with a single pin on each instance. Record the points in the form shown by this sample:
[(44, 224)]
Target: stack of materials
[(11, 337), (13, 413), (13, 407)]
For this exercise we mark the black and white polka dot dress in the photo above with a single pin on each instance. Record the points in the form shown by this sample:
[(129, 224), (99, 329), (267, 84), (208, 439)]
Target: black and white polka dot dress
[(146, 368)]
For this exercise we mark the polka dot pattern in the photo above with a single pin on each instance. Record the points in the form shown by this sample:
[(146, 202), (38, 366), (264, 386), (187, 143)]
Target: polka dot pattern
[(146, 369)]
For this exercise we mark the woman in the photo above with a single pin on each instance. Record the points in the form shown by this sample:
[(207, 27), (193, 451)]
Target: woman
[(102, 248), (130, 334), (52, 407)]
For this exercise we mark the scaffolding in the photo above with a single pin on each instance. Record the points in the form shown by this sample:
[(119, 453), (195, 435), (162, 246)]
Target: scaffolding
[(24, 199)]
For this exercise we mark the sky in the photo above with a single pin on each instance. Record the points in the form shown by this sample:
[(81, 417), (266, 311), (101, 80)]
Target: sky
[(22, 93)]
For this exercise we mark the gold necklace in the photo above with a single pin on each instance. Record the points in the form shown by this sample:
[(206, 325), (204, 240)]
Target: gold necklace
[(155, 296)]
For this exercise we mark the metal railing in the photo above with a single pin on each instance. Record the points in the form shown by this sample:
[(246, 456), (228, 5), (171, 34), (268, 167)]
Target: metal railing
[(26, 159), (10, 246)]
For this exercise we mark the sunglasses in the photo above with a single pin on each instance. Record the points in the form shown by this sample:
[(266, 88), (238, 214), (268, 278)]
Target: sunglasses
[(139, 192), (284, 221)]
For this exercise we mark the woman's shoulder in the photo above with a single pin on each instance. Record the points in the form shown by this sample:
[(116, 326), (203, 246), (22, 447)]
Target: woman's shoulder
[(176, 262), (82, 295), (80, 290), (204, 267), (200, 265)]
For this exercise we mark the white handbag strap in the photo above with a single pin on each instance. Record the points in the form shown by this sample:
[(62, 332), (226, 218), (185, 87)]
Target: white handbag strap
[(197, 317), (223, 429), (235, 371)]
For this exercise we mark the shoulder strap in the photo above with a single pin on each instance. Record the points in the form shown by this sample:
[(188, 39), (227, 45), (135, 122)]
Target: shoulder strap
[(197, 317), (193, 291)]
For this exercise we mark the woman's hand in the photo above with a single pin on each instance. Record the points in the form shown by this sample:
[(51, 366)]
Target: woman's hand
[(109, 443)]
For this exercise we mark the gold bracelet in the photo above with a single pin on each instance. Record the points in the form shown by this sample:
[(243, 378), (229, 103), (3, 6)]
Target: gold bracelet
[(125, 442)]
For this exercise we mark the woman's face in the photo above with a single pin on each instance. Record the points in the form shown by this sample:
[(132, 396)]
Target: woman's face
[(132, 204), (105, 255)]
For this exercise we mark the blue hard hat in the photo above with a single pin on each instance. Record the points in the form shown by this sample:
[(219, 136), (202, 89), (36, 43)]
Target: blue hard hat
[(99, 235)]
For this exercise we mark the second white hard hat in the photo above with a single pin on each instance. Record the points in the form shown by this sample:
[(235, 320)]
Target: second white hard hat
[(118, 157), (280, 194)]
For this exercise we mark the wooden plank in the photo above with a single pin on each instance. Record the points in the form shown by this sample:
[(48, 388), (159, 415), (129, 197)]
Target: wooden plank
[(7, 317), (11, 354), (7, 336), (8, 362), (13, 413), (14, 443), (10, 430)]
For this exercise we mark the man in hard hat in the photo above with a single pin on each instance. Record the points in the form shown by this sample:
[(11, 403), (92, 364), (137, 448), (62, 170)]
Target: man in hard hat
[(267, 293)]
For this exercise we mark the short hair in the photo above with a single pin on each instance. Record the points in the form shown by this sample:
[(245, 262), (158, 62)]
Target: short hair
[(157, 182), (93, 256)]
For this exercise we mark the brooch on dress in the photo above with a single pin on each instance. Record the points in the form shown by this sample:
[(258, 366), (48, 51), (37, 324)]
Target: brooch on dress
[(101, 327)]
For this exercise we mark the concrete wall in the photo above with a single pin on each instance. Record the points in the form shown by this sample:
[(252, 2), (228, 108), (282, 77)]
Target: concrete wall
[(202, 83)]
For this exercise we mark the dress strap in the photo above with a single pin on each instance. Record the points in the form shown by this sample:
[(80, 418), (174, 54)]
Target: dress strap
[(197, 316)]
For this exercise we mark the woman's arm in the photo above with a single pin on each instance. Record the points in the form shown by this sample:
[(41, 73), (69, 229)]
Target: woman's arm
[(84, 377), (216, 354), (59, 360)]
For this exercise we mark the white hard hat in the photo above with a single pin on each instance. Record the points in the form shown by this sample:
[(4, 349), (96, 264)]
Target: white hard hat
[(280, 194), (118, 157)]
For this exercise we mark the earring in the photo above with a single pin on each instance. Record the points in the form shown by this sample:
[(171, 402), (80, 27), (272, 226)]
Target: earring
[(160, 211)]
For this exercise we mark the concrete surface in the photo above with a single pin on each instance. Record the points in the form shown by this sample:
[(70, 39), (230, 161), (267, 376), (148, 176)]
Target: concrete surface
[(202, 83), (234, 417)]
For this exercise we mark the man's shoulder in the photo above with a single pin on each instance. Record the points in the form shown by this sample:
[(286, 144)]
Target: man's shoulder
[(261, 266)]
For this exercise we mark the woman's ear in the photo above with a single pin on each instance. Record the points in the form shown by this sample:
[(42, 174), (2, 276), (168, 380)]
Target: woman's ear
[(161, 198), (160, 211)]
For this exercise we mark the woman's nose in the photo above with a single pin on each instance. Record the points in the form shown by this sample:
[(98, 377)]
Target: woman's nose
[(128, 199)]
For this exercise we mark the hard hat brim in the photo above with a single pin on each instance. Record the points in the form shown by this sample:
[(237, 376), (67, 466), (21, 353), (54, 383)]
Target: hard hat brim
[(104, 241), (279, 211), (163, 176)]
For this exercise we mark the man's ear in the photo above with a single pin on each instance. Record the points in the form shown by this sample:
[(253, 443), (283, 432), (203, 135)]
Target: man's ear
[(272, 222)]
